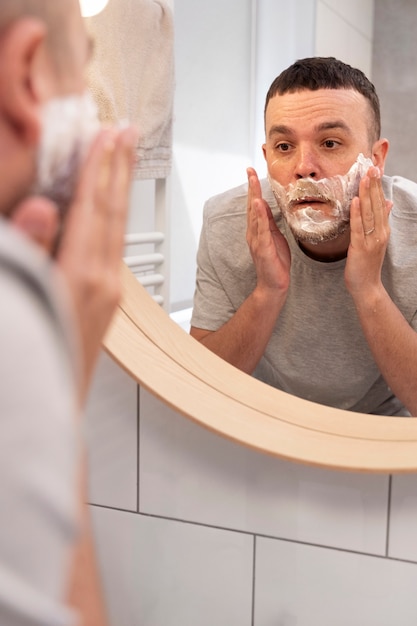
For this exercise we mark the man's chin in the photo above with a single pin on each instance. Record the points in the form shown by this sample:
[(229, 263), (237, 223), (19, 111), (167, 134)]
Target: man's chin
[(319, 236)]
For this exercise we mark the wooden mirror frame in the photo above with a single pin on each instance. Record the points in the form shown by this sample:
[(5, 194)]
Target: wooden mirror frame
[(190, 379)]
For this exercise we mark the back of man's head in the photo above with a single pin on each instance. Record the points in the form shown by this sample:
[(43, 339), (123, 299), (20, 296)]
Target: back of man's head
[(326, 73), (53, 13), (42, 54)]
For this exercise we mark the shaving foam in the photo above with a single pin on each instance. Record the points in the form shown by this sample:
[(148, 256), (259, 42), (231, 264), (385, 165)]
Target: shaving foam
[(69, 125), (309, 223)]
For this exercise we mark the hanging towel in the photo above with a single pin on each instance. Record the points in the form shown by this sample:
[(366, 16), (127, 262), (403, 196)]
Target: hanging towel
[(131, 75)]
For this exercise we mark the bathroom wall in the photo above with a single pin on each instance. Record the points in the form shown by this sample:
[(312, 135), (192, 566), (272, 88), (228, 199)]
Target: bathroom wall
[(344, 29), (212, 111), (194, 530), (394, 75)]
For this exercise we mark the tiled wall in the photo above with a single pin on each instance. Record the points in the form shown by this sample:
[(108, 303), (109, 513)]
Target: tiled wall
[(194, 530)]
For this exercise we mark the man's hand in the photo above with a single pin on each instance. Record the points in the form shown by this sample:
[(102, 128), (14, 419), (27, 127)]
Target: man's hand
[(242, 340), (369, 237), (268, 247), (390, 337), (92, 238), (91, 246)]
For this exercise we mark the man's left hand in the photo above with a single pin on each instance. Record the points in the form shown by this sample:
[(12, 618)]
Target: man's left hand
[(369, 235)]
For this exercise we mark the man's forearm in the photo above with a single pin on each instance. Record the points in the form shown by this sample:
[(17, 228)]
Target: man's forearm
[(393, 344), (243, 339)]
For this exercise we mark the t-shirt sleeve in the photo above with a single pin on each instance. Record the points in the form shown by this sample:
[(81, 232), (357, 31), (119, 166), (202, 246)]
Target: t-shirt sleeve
[(212, 306)]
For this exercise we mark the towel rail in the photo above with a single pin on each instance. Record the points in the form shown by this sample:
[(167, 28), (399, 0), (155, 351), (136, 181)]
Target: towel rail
[(151, 280), (141, 238), (144, 259), (147, 253)]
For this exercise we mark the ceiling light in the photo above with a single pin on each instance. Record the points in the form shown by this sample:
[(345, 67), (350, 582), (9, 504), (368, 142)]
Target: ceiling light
[(92, 7)]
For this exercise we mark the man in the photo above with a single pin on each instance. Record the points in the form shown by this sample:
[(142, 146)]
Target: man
[(64, 190), (322, 300)]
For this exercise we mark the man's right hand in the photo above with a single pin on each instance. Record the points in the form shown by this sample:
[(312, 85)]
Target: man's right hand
[(91, 246), (268, 247), (91, 243), (242, 340)]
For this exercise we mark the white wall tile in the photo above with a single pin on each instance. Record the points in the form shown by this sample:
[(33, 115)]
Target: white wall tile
[(163, 573), (335, 37), (307, 586), (357, 13), (111, 432), (187, 472), (403, 518)]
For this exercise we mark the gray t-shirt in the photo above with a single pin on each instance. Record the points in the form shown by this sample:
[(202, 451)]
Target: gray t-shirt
[(317, 350), (39, 445)]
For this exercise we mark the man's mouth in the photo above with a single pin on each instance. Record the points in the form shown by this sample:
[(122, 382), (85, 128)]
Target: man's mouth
[(311, 201)]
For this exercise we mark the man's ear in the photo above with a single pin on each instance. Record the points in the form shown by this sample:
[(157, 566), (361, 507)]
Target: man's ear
[(24, 76), (379, 153)]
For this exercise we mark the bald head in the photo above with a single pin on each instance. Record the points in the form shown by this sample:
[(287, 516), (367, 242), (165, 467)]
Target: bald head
[(50, 11)]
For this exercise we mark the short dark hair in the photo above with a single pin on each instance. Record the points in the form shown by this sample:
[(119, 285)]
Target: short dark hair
[(326, 73)]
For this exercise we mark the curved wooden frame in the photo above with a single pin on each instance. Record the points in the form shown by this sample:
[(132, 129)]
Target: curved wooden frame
[(173, 366)]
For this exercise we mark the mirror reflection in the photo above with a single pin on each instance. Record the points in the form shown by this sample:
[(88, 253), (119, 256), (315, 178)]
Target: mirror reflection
[(311, 287), (313, 298), (314, 293)]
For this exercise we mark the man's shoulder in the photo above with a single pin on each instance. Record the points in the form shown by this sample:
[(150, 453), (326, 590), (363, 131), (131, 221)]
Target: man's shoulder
[(25, 262), (35, 281), (397, 187), (17, 250), (234, 201)]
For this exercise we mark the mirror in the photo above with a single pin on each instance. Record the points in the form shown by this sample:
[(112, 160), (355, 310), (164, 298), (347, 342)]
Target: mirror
[(165, 360), (178, 370)]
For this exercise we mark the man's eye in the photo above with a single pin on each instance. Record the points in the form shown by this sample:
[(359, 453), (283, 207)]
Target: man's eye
[(330, 143), (282, 147)]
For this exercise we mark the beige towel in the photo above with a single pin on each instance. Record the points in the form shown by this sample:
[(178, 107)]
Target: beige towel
[(132, 75)]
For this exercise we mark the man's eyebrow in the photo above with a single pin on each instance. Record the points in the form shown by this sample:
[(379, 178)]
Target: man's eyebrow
[(332, 125), (280, 129)]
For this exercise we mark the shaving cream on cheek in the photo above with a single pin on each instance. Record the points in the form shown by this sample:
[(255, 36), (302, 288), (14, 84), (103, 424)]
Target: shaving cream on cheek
[(309, 222), (69, 126)]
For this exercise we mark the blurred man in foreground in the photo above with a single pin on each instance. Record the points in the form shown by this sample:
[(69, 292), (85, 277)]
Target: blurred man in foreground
[(64, 191)]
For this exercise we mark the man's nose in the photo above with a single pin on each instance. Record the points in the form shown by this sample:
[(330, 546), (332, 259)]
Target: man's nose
[(306, 165)]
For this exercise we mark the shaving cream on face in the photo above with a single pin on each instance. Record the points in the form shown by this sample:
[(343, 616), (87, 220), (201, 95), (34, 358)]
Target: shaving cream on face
[(69, 125), (309, 223)]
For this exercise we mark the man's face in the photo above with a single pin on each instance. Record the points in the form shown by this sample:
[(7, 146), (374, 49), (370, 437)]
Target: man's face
[(316, 135)]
